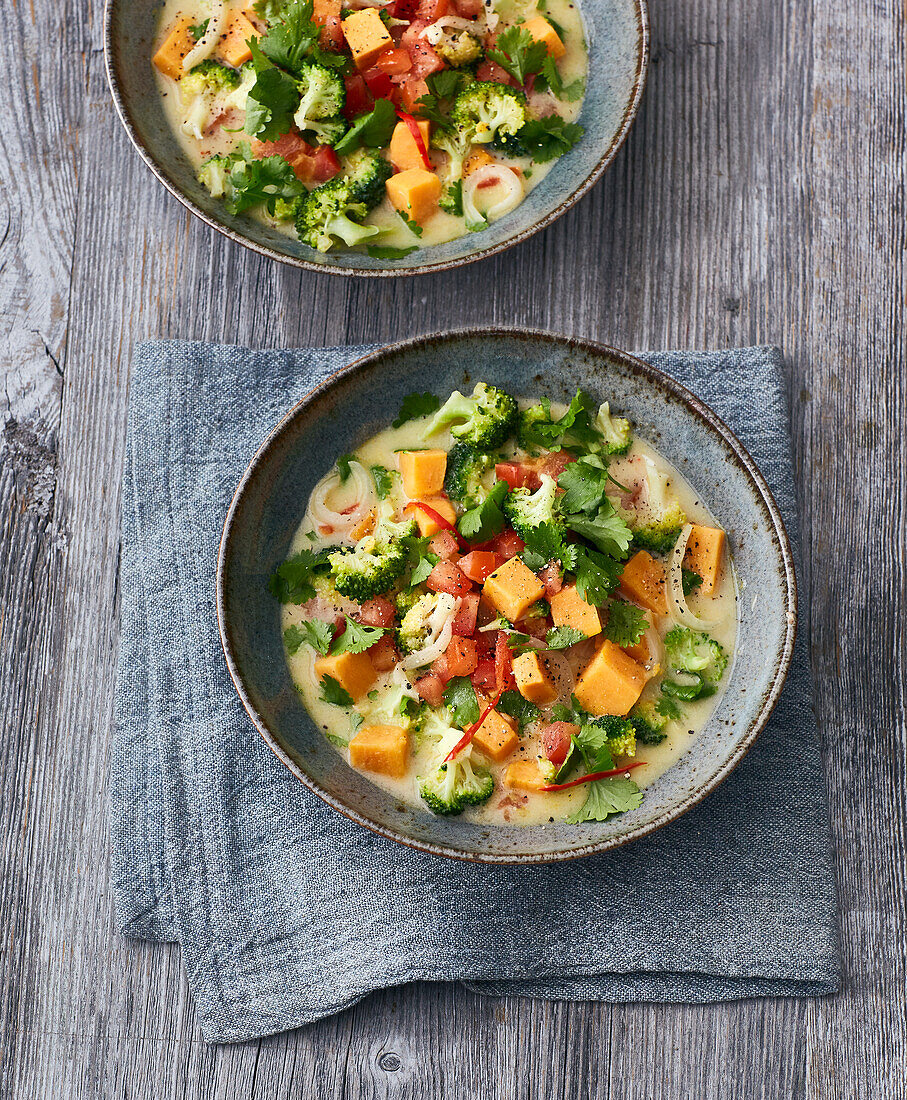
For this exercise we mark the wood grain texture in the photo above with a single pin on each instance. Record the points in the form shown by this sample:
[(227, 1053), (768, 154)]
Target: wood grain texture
[(759, 199)]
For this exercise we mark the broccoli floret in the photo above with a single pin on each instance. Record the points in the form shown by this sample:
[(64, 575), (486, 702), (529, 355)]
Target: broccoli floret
[(528, 510), (213, 175), (415, 627), (239, 95), (466, 470), (453, 785), (696, 664), (615, 430), (328, 212), (209, 77), (654, 517), (377, 560), (367, 174), (327, 131), (621, 734), (487, 109), (323, 94), (405, 600), (485, 419), (456, 145), (649, 722), (458, 49), (529, 418)]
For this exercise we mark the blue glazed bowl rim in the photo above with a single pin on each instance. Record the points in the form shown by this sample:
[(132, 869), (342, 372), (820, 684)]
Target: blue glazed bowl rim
[(651, 375), (147, 155)]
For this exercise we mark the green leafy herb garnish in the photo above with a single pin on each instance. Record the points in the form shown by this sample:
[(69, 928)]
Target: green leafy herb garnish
[(384, 480), (412, 226), (607, 797), (312, 632), (340, 742), (291, 580), (690, 581), (515, 706), (343, 467), (486, 520), (357, 638), (517, 52), (415, 405), (273, 99), (563, 636), (333, 693), (198, 30), (373, 129), (547, 138), (597, 575), (606, 530), (462, 702), (387, 252), (626, 623), (551, 77)]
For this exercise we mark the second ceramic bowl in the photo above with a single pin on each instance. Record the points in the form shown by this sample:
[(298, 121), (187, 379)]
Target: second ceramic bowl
[(618, 38), (364, 397)]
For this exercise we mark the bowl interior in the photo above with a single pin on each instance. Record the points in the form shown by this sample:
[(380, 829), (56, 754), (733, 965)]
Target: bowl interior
[(618, 44), (362, 399)]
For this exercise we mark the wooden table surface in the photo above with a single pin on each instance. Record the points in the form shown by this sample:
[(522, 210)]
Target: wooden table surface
[(759, 199)]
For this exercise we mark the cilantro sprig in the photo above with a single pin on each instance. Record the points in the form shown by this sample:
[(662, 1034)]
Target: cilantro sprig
[(462, 701), (519, 54), (414, 406)]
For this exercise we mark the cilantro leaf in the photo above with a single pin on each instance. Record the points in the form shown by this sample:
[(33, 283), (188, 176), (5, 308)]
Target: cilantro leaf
[(442, 86), (563, 636), (596, 576), (626, 623), (291, 35), (515, 706), (689, 581), (387, 252), (373, 128), (314, 633), (250, 182), (573, 714), (547, 138), (412, 226), (357, 638), (343, 467), (333, 693), (421, 560), (384, 480), (518, 642), (551, 76), (198, 31), (273, 99), (584, 484), (592, 741), (519, 54), (291, 580), (486, 520), (415, 405), (607, 797), (462, 702), (542, 431), (605, 530), (545, 543)]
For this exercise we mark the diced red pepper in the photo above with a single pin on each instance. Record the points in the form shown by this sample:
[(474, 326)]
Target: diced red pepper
[(464, 622), (592, 777), (431, 688), (461, 657), (446, 577), (384, 654), (478, 565), (379, 611), (445, 544), (358, 99), (403, 9), (379, 83), (556, 738), (408, 94), (432, 9), (503, 662)]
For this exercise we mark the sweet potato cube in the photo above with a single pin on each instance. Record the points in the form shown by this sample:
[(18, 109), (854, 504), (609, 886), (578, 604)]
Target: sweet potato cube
[(705, 547), (414, 192), (404, 152), (475, 161), (430, 526), (177, 43), (496, 736), (422, 472), (532, 679), (232, 47), (365, 526), (568, 608), (382, 749), (611, 682), (643, 581), (524, 775), (542, 31), (512, 589), (366, 36), (352, 671)]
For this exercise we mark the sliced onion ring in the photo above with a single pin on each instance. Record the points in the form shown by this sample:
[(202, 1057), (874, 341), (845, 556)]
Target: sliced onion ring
[(678, 609), (434, 32), (203, 49), (342, 522), (507, 176), (440, 624)]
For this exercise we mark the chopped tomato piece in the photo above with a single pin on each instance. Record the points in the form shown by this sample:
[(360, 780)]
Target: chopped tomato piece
[(431, 688), (331, 37), (403, 9), (446, 577), (556, 738), (440, 669), (518, 475), (468, 9), (325, 165), (478, 565), (383, 654), (508, 544), (358, 99), (378, 82), (394, 61), (461, 657), (410, 93), (294, 149), (503, 662), (425, 60), (464, 622), (378, 611), (551, 578), (445, 544), (554, 463), (491, 70), (484, 678), (432, 9)]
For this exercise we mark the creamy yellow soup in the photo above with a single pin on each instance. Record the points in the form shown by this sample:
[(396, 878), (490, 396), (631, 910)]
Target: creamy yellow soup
[(214, 127), (506, 805)]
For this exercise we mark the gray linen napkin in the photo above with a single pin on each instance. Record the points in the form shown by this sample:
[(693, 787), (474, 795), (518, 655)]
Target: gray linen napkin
[(285, 911)]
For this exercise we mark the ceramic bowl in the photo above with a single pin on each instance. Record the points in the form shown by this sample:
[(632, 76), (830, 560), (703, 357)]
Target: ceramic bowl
[(364, 397), (618, 37)]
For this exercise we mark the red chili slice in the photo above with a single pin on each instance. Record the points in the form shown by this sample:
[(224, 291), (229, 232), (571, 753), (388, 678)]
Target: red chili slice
[(438, 518), (417, 136), (590, 778)]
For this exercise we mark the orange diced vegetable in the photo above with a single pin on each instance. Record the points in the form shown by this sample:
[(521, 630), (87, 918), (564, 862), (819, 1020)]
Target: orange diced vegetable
[(366, 36), (232, 47), (542, 31), (705, 547), (177, 43), (352, 671), (532, 679), (612, 681), (422, 472), (475, 161), (496, 736), (524, 775), (427, 524), (382, 749), (513, 589), (404, 152), (365, 526), (414, 192), (643, 581), (568, 608)]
